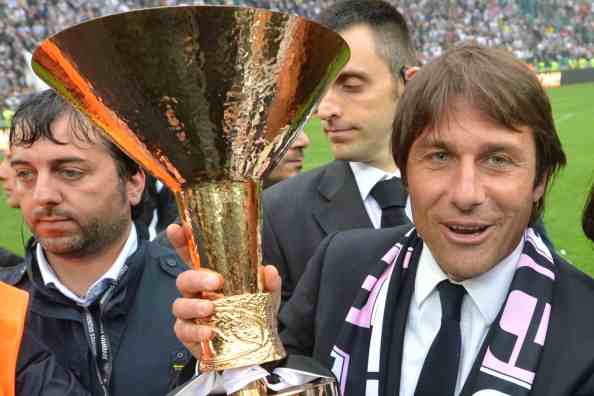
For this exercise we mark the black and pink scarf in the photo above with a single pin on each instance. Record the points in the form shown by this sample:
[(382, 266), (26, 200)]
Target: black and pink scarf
[(368, 352)]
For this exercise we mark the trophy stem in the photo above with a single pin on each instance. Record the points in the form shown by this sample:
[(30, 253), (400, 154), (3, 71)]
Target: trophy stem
[(225, 219)]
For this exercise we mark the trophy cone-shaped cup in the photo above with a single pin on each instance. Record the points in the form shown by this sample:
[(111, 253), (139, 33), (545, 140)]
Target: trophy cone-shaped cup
[(206, 99)]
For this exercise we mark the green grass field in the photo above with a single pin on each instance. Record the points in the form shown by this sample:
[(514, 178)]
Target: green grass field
[(574, 115)]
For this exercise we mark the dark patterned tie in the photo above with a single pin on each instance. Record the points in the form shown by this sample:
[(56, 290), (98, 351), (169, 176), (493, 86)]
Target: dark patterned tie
[(391, 197), (440, 370)]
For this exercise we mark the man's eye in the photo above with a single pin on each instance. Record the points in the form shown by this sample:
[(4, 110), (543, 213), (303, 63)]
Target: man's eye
[(498, 161), (24, 174), (352, 85), (439, 156), (71, 174)]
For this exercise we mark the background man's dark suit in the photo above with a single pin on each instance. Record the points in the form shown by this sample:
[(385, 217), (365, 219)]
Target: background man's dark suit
[(302, 210), (314, 315)]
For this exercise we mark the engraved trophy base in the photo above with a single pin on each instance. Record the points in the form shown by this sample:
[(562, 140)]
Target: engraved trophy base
[(245, 332), (321, 387)]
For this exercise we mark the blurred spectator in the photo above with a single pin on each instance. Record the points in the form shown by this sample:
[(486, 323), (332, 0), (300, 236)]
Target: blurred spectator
[(8, 180), (550, 34), (291, 163)]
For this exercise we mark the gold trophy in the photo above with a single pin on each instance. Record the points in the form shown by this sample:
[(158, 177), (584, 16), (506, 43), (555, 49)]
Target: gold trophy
[(207, 99)]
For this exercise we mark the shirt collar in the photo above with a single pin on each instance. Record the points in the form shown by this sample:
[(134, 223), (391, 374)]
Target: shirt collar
[(487, 291), (50, 278), (367, 176)]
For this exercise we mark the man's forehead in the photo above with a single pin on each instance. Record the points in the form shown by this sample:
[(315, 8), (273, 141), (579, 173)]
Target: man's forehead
[(451, 131), (460, 113), (64, 131), (74, 131), (68, 145)]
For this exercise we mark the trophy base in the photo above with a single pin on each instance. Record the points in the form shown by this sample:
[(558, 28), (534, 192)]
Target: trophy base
[(321, 387), (246, 334)]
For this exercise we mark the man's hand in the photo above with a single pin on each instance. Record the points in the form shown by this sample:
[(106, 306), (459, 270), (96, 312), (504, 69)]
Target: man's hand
[(198, 288)]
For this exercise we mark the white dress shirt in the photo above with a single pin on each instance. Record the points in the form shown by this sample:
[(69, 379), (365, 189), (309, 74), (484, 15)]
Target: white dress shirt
[(367, 177), (50, 278), (484, 298), (152, 227)]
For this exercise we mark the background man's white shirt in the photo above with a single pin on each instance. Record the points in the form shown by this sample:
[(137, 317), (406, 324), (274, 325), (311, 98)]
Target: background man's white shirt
[(50, 278), (367, 177)]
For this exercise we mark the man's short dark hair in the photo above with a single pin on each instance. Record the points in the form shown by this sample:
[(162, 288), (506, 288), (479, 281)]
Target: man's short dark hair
[(37, 112), (392, 37), (496, 84), (588, 216)]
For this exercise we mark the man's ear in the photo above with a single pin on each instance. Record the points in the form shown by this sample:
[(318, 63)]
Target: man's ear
[(410, 72), (135, 187), (540, 188)]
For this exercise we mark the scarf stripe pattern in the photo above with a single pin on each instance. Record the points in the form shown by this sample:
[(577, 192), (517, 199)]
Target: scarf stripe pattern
[(507, 362)]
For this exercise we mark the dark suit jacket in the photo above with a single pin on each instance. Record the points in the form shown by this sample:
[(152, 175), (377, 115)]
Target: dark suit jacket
[(300, 211), (312, 318)]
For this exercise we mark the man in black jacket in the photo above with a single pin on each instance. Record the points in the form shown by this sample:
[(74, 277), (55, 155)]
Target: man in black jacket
[(38, 372), (469, 301), (100, 294)]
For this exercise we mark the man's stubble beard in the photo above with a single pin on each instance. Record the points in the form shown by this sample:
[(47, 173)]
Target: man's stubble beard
[(90, 238), (94, 235)]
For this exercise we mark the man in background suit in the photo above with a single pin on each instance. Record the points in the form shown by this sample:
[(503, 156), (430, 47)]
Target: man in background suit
[(470, 301), (357, 114)]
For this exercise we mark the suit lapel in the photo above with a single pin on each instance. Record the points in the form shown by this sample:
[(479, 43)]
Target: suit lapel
[(340, 205)]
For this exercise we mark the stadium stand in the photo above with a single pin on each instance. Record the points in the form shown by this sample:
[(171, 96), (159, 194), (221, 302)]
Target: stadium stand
[(551, 35)]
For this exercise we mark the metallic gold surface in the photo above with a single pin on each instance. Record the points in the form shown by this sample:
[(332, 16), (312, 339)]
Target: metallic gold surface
[(322, 387), (207, 99), (246, 329), (228, 214), (256, 388)]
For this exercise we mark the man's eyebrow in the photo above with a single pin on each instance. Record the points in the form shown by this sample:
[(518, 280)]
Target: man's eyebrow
[(55, 162), (433, 141), (502, 147), (14, 162), (67, 160)]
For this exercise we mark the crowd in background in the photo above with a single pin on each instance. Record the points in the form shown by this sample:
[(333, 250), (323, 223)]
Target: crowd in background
[(536, 31), (549, 34)]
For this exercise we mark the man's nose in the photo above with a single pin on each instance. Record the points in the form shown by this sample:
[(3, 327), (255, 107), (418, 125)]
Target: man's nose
[(301, 141), (329, 106), (45, 191), (467, 187), (4, 170)]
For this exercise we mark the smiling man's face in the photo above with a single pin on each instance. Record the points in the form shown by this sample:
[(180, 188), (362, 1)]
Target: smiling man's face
[(472, 189)]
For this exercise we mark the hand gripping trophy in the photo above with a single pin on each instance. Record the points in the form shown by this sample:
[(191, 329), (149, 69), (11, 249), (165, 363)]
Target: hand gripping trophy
[(206, 99)]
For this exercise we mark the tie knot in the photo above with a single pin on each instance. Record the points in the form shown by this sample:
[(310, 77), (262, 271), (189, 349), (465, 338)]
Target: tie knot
[(451, 296), (389, 193)]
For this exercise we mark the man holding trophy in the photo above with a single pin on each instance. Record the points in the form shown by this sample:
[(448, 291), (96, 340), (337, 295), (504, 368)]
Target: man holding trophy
[(469, 301)]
